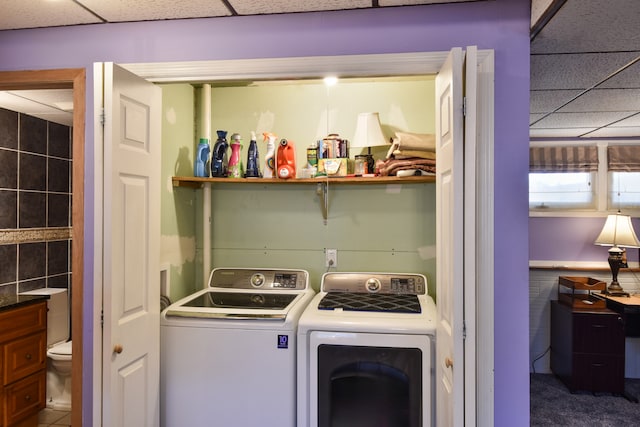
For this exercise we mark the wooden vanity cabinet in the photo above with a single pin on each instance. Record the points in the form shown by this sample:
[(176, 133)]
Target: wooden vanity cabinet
[(23, 363)]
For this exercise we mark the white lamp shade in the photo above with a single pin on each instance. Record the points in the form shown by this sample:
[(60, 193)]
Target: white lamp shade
[(368, 132), (618, 231)]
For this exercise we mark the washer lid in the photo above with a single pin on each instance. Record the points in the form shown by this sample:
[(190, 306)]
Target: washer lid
[(249, 300), (63, 349)]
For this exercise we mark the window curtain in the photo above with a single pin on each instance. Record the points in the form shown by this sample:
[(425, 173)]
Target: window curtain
[(563, 159), (623, 158)]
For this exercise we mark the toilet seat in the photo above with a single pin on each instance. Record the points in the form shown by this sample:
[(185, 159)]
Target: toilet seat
[(60, 351)]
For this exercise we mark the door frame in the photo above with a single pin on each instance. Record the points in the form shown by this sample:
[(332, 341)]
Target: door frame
[(75, 79), (479, 303)]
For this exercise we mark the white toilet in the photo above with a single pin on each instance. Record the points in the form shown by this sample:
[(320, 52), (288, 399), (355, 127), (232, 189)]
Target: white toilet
[(58, 348)]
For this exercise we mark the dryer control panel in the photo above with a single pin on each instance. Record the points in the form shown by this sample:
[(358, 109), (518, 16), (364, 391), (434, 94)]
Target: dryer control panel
[(263, 279), (382, 283)]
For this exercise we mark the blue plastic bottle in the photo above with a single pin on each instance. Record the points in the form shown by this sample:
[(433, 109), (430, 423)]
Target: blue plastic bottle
[(202, 159)]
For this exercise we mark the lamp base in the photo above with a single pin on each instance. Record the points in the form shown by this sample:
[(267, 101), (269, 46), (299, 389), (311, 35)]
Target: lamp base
[(615, 262), (616, 293)]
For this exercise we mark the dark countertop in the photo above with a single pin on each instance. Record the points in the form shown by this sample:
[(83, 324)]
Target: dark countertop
[(7, 302)]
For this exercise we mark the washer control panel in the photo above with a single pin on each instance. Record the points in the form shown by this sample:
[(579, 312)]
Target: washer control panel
[(263, 279), (383, 283)]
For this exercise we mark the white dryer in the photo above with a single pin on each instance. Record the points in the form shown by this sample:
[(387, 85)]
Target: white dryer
[(366, 344), (228, 352)]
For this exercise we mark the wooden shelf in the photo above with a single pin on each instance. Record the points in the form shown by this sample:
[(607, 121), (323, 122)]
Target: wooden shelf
[(197, 182)]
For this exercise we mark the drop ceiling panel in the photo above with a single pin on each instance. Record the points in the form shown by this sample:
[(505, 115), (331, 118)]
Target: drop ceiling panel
[(146, 10), (629, 78), (31, 14), (632, 121), (253, 7), (590, 26), (575, 71), (546, 101), (615, 132), (415, 2), (605, 100), (579, 120), (535, 117)]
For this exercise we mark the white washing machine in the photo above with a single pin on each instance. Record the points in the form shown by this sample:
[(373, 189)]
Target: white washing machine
[(228, 352), (366, 344)]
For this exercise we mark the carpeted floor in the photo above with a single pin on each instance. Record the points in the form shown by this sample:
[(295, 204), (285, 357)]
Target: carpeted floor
[(553, 405)]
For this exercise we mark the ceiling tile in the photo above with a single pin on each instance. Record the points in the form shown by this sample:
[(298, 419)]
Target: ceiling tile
[(33, 14), (625, 79), (253, 7), (559, 133), (146, 10), (414, 2), (575, 71), (535, 117), (579, 120), (591, 26), (630, 121), (615, 132), (546, 101), (605, 100)]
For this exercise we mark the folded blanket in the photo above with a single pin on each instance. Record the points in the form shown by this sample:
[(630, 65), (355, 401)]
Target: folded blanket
[(392, 166), (416, 141), (407, 154)]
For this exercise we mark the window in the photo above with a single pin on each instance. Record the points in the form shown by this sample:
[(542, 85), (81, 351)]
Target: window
[(570, 190), (623, 166), (605, 177), (562, 177)]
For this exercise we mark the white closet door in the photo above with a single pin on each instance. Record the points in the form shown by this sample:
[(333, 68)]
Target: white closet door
[(450, 242), (131, 232)]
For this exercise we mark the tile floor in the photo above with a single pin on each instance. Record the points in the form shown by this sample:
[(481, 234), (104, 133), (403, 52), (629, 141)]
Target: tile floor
[(51, 418)]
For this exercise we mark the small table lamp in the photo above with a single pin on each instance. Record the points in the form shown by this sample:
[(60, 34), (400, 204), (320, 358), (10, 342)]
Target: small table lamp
[(617, 231), (368, 134)]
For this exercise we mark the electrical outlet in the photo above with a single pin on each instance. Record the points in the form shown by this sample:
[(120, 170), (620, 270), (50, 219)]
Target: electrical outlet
[(331, 258)]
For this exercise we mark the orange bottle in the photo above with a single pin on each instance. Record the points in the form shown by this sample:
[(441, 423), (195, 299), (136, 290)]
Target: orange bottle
[(286, 160)]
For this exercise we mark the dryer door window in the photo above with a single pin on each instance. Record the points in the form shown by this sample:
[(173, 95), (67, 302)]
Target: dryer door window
[(367, 386)]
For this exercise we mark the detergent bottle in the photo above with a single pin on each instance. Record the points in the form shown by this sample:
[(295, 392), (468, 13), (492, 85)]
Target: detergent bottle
[(235, 162), (286, 160), (253, 166), (201, 167), (269, 158), (219, 160)]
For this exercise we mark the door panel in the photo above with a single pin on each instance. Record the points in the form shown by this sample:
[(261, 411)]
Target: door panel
[(131, 300), (449, 361)]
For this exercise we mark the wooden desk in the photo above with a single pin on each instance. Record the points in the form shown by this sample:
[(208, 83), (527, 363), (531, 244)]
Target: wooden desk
[(629, 308)]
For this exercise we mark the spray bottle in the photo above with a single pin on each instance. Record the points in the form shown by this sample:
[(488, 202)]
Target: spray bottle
[(269, 158), (253, 162)]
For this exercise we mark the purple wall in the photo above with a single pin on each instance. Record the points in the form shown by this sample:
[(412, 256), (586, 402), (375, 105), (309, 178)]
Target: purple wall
[(502, 25), (570, 239)]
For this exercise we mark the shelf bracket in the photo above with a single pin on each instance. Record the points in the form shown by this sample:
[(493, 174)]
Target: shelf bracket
[(321, 191)]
